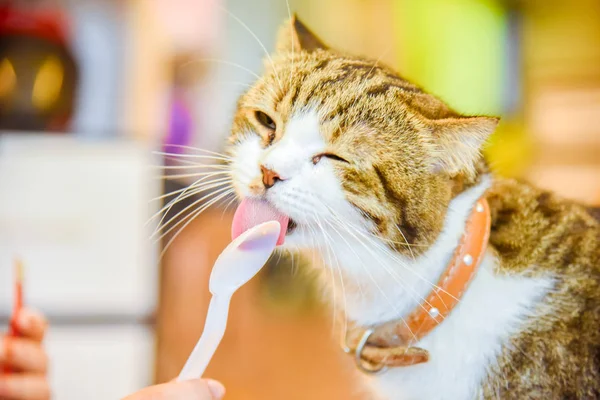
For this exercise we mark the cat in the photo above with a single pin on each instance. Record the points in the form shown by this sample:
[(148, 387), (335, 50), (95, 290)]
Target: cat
[(380, 178)]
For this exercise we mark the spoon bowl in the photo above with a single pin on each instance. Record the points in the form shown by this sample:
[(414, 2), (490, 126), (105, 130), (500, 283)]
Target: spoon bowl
[(243, 258)]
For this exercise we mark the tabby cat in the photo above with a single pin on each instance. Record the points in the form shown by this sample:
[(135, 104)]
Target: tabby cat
[(380, 178)]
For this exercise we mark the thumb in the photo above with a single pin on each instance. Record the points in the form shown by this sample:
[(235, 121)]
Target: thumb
[(204, 386), (196, 389)]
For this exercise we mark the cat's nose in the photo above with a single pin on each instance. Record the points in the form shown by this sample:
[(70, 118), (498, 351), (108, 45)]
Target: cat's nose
[(269, 177)]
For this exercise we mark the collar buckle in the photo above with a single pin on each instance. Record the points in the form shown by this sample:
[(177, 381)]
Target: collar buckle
[(363, 365)]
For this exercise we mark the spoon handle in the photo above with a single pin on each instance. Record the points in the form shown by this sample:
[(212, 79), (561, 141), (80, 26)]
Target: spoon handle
[(214, 328)]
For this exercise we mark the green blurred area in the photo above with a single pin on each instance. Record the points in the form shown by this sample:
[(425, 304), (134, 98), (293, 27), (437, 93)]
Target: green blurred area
[(454, 49)]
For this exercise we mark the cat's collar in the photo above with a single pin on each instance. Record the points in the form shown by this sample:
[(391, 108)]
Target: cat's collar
[(390, 344)]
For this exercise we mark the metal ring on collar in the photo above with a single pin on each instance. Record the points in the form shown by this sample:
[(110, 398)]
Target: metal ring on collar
[(358, 356)]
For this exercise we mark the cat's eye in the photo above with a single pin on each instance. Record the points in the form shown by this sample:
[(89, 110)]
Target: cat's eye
[(265, 120), (331, 156)]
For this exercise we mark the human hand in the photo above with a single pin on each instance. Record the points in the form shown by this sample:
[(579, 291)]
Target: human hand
[(195, 389), (27, 359)]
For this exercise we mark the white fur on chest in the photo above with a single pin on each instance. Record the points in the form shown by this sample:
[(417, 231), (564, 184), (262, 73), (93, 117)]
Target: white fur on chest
[(464, 346)]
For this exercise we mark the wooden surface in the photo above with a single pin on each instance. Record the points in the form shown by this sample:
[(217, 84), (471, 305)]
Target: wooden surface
[(265, 354)]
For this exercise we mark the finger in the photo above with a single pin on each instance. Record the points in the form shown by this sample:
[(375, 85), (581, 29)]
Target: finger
[(197, 389), (24, 387), (23, 355), (31, 324)]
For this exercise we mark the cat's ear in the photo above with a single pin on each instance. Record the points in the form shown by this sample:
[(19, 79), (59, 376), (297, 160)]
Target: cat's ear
[(456, 143), (295, 36)]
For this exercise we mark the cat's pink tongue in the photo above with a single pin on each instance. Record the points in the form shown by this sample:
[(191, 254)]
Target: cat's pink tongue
[(252, 212)]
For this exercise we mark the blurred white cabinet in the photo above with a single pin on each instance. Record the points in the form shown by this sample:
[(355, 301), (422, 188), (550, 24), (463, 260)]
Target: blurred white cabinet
[(75, 212)]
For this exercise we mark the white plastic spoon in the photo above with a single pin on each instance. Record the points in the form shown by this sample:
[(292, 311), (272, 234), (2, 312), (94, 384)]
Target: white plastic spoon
[(235, 266)]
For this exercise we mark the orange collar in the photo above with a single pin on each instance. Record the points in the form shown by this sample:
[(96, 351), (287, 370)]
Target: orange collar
[(390, 344)]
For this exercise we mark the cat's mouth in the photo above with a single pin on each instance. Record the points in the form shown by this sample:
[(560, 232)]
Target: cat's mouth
[(255, 211)]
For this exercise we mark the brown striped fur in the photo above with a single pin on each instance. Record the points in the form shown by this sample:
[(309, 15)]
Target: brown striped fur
[(410, 154), (536, 233)]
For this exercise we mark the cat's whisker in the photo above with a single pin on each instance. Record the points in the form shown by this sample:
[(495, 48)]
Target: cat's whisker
[(394, 242), (407, 244), (319, 232), (161, 226), (329, 209), (198, 149), (190, 175), (229, 203), (382, 263), (385, 295), (183, 194), (174, 218), (437, 288), (186, 167), (392, 273), (293, 70), (198, 186), (313, 237), (218, 193), (408, 268), (181, 161), (209, 174), (358, 257), (339, 270), (177, 167), (224, 62), (395, 258), (190, 218), (260, 43), (279, 254), (388, 48), (246, 85), (190, 191), (202, 156), (294, 271)]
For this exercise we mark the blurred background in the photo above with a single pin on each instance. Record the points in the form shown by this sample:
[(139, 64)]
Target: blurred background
[(90, 88)]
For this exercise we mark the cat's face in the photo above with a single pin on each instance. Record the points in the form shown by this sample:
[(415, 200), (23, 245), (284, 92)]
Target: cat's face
[(338, 142)]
